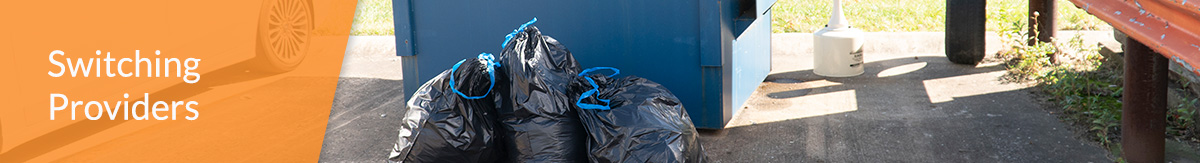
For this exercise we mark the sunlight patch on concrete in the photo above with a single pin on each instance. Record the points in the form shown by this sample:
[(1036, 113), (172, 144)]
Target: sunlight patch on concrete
[(989, 64), (946, 89), (812, 105), (902, 69)]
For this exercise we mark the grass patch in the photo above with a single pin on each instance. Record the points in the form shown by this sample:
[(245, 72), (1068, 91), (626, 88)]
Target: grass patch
[(914, 15), (373, 18), (873, 16)]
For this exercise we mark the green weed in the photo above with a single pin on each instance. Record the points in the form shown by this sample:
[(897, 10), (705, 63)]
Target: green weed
[(1180, 118), (1088, 91)]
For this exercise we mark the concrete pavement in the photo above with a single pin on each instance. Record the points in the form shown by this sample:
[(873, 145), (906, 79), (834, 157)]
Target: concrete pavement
[(912, 105), (368, 104)]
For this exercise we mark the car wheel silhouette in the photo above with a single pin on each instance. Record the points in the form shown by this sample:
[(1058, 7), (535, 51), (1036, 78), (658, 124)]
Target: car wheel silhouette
[(284, 29)]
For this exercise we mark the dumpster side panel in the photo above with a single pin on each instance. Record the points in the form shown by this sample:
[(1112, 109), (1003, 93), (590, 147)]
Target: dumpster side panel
[(684, 45), (751, 61), (653, 39), (716, 21), (403, 25)]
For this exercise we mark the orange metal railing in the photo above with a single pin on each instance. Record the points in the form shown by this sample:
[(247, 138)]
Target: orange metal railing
[(1170, 27)]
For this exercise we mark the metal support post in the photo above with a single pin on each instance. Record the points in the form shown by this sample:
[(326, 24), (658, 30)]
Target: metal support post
[(1144, 112), (1041, 19)]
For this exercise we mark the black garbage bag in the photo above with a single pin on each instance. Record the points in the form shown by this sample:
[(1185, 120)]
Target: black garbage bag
[(443, 124), (536, 108), (633, 119)]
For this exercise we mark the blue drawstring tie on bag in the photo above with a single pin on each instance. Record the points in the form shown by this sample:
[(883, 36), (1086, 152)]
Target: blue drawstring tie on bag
[(595, 89), (515, 31), (490, 62)]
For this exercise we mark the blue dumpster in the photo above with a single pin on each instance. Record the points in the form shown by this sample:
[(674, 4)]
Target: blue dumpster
[(712, 54)]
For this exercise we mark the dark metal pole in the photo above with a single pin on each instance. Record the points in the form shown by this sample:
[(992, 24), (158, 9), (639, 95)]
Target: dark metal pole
[(1144, 113), (1044, 12), (965, 26)]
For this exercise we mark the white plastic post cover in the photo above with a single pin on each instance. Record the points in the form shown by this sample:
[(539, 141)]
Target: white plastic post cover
[(837, 48), (836, 19)]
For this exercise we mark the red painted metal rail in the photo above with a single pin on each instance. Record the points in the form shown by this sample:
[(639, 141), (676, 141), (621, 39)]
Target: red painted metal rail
[(1170, 27)]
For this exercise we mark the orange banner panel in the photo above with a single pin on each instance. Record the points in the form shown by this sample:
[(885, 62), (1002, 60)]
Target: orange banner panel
[(168, 81)]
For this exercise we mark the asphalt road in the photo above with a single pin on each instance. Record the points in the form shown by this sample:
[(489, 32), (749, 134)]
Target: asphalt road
[(363, 123)]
